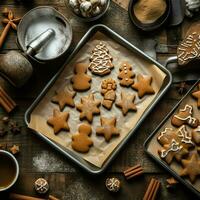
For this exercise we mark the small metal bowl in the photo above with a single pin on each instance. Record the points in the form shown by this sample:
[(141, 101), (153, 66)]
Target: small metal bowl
[(90, 19), (151, 26), (39, 20)]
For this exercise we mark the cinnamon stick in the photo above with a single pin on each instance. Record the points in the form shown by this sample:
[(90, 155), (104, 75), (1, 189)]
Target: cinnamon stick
[(152, 190), (133, 171), (14, 196), (51, 197), (5, 101), (4, 34)]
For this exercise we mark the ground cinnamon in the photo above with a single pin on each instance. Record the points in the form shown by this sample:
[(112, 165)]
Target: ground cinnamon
[(148, 11)]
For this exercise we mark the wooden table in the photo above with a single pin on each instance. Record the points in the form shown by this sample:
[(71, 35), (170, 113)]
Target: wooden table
[(37, 159)]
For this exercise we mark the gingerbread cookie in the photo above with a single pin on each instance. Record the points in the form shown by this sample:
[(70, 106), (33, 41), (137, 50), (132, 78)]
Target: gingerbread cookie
[(196, 135), (184, 116), (175, 143), (174, 149), (64, 97), (81, 141), (88, 107), (80, 80), (191, 167), (108, 88), (100, 61), (126, 75), (196, 95), (126, 103), (107, 128), (143, 85), (59, 121), (189, 48)]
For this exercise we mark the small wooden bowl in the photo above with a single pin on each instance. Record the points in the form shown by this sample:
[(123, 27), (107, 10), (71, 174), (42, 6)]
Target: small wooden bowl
[(151, 26)]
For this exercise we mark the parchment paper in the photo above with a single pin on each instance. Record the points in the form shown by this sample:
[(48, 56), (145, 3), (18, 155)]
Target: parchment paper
[(101, 150), (154, 146)]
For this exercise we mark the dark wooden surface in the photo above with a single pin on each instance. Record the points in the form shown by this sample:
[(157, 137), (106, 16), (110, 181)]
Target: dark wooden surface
[(37, 159)]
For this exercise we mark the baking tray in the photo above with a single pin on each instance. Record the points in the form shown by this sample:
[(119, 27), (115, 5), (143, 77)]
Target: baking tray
[(107, 31), (156, 131)]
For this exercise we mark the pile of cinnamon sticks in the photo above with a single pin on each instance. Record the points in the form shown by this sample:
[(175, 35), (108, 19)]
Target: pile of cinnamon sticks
[(5, 101)]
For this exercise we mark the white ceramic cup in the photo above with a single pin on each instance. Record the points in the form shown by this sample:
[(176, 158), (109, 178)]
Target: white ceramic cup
[(9, 155)]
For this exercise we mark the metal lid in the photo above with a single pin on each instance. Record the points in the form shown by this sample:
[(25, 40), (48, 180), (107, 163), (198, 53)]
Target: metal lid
[(37, 21)]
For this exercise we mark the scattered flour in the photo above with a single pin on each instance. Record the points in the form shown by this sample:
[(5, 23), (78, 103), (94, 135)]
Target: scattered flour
[(47, 162)]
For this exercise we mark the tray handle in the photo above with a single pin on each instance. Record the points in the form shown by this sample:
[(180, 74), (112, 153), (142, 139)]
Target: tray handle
[(172, 59)]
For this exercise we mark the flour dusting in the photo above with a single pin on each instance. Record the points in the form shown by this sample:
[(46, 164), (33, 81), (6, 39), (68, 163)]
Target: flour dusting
[(47, 162)]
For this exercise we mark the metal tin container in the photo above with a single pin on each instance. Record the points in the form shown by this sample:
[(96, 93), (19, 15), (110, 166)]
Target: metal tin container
[(37, 21), (107, 31), (161, 162)]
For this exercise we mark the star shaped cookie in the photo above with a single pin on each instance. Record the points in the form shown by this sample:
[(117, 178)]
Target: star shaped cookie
[(191, 167), (88, 107), (143, 85), (107, 128), (64, 97), (126, 103), (196, 95), (59, 121)]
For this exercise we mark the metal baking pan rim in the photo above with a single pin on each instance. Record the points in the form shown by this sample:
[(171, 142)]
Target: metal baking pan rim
[(162, 163), (128, 45)]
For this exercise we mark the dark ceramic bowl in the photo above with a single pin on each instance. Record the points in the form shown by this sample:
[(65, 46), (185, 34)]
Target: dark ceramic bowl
[(150, 26)]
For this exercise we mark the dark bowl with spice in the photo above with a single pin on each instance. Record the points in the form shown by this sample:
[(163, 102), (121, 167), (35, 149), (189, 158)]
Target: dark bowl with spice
[(148, 24)]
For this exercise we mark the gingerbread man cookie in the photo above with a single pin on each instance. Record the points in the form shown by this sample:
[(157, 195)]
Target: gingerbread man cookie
[(126, 103), (175, 143), (107, 128), (59, 121), (191, 167), (174, 149), (184, 116), (143, 85), (81, 141), (100, 61), (196, 95), (88, 107), (126, 75), (80, 80), (64, 97), (108, 88)]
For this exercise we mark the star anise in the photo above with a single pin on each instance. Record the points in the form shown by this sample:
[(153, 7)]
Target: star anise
[(15, 128), (182, 88), (3, 132)]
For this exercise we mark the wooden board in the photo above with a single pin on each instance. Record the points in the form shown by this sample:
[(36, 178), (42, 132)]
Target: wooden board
[(37, 159)]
